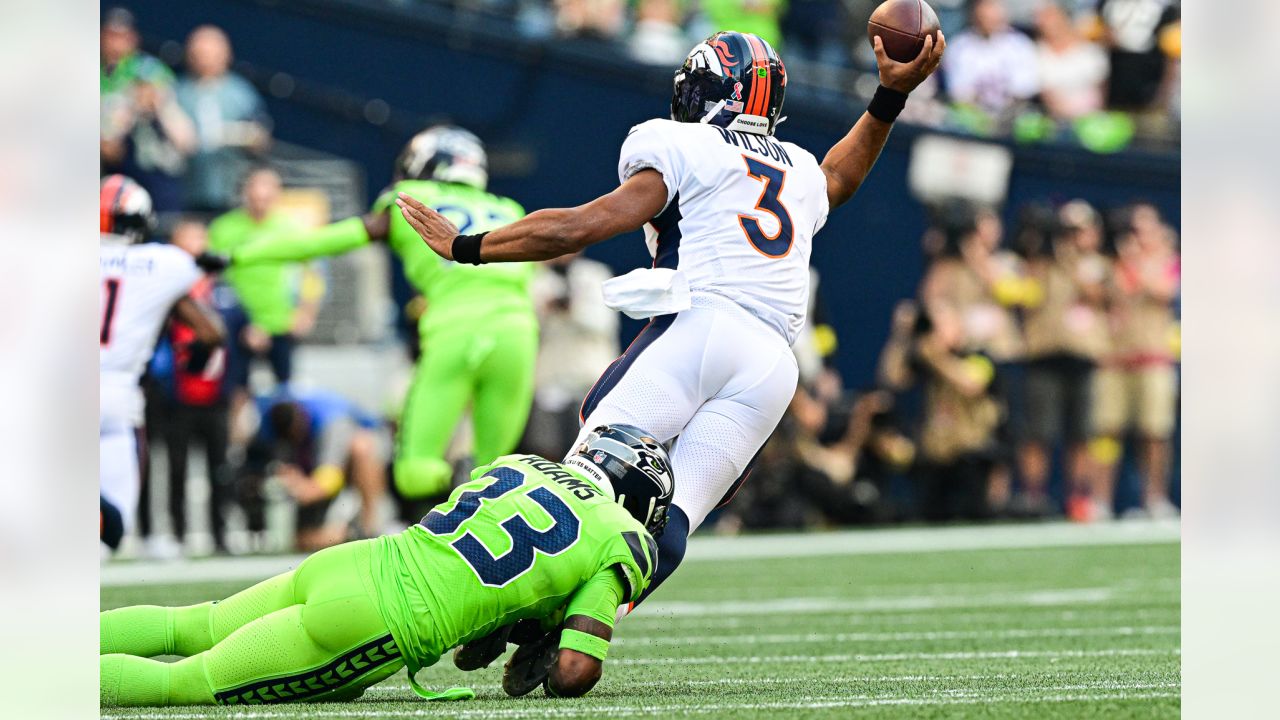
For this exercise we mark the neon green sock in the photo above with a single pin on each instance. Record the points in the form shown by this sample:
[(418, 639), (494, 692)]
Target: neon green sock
[(142, 630), (149, 630), (127, 681)]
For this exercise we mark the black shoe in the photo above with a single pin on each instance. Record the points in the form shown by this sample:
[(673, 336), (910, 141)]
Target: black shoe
[(530, 665), (481, 652)]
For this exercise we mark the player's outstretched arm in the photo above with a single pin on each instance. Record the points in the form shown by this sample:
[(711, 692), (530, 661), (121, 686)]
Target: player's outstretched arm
[(849, 161), (544, 234), (333, 239)]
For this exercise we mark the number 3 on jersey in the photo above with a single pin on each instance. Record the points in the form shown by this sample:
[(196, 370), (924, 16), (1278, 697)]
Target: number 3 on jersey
[(525, 541), (778, 244)]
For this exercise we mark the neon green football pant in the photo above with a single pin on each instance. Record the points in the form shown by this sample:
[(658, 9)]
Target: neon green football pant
[(489, 368), (311, 634)]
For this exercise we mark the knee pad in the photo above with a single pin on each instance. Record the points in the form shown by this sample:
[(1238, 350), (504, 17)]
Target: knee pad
[(422, 477)]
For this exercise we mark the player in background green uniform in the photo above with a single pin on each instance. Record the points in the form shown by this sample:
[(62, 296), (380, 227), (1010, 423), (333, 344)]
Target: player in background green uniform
[(525, 540), (480, 332)]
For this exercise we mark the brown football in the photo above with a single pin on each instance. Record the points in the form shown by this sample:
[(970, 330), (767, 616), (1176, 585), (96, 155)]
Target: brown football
[(902, 26)]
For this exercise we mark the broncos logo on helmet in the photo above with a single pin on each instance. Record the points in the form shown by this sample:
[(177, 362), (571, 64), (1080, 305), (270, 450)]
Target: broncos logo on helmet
[(717, 85)]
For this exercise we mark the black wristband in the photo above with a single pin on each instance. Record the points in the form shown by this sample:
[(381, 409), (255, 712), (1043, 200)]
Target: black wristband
[(886, 104), (466, 248)]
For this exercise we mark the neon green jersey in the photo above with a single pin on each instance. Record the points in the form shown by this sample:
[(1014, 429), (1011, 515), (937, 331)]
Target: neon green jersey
[(525, 538), (269, 290), (458, 294)]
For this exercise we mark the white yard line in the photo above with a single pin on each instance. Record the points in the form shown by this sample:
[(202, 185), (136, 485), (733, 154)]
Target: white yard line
[(746, 547), (894, 657), (393, 687), (906, 603), (1111, 614), (997, 634), (539, 710)]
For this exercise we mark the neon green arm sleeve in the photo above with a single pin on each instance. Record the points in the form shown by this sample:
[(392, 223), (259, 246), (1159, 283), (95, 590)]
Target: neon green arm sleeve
[(597, 599), (335, 239)]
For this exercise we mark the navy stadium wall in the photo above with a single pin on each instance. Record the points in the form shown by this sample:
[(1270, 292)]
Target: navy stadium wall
[(554, 115)]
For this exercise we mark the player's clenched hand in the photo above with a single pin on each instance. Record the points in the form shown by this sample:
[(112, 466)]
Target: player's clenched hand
[(904, 77), (434, 229)]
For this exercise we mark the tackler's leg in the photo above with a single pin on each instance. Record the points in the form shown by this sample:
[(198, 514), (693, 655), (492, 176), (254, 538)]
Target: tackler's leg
[(329, 647)]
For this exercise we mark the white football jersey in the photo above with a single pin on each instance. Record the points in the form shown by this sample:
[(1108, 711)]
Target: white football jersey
[(140, 284), (741, 213)]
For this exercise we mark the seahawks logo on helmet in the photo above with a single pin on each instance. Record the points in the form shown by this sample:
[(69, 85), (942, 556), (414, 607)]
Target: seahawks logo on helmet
[(636, 467)]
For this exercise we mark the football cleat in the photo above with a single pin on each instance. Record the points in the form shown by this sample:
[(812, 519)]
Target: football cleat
[(530, 665), (481, 652)]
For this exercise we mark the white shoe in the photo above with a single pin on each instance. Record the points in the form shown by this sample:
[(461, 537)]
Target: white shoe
[(163, 548), (1162, 510)]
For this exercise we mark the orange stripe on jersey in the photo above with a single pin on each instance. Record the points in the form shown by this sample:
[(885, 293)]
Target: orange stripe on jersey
[(758, 102), (107, 198)]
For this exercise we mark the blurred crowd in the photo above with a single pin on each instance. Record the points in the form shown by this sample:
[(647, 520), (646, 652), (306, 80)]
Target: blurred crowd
[(1059, 340), (1041, 356), (1096, 72)]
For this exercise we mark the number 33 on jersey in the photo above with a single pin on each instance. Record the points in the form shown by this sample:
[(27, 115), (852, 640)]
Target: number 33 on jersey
[(742, 210)]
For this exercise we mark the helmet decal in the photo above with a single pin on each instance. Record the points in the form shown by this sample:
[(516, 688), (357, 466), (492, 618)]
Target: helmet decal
[(635, 467), (724, 53), (732, 80)]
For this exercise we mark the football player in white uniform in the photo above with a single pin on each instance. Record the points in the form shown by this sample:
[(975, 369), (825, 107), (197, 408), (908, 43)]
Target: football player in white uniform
[(142, 284), (729, 214)]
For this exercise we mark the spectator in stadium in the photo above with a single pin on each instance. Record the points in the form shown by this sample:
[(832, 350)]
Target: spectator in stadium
[(314, 443), (958, 442), (196, 409), (599, 19), (748, 16), (1141, 37), (1066, 331), (813, 29), (279, 300), (984, 285), (1072, 70), (980, 281), (230, 120), (143, 131), (1136, 389), (657, 38), (579, 338), (123, 64), (990, 65)]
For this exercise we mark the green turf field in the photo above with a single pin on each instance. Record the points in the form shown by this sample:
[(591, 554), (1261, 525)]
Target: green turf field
[(1022, 622)]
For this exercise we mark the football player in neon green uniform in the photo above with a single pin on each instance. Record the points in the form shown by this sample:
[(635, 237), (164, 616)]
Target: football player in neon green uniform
[(480, 332), (525, 540)]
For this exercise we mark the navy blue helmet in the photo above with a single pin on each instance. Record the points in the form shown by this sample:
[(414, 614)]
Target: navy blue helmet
[(444, 153), (731, 79), (633, 465)]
